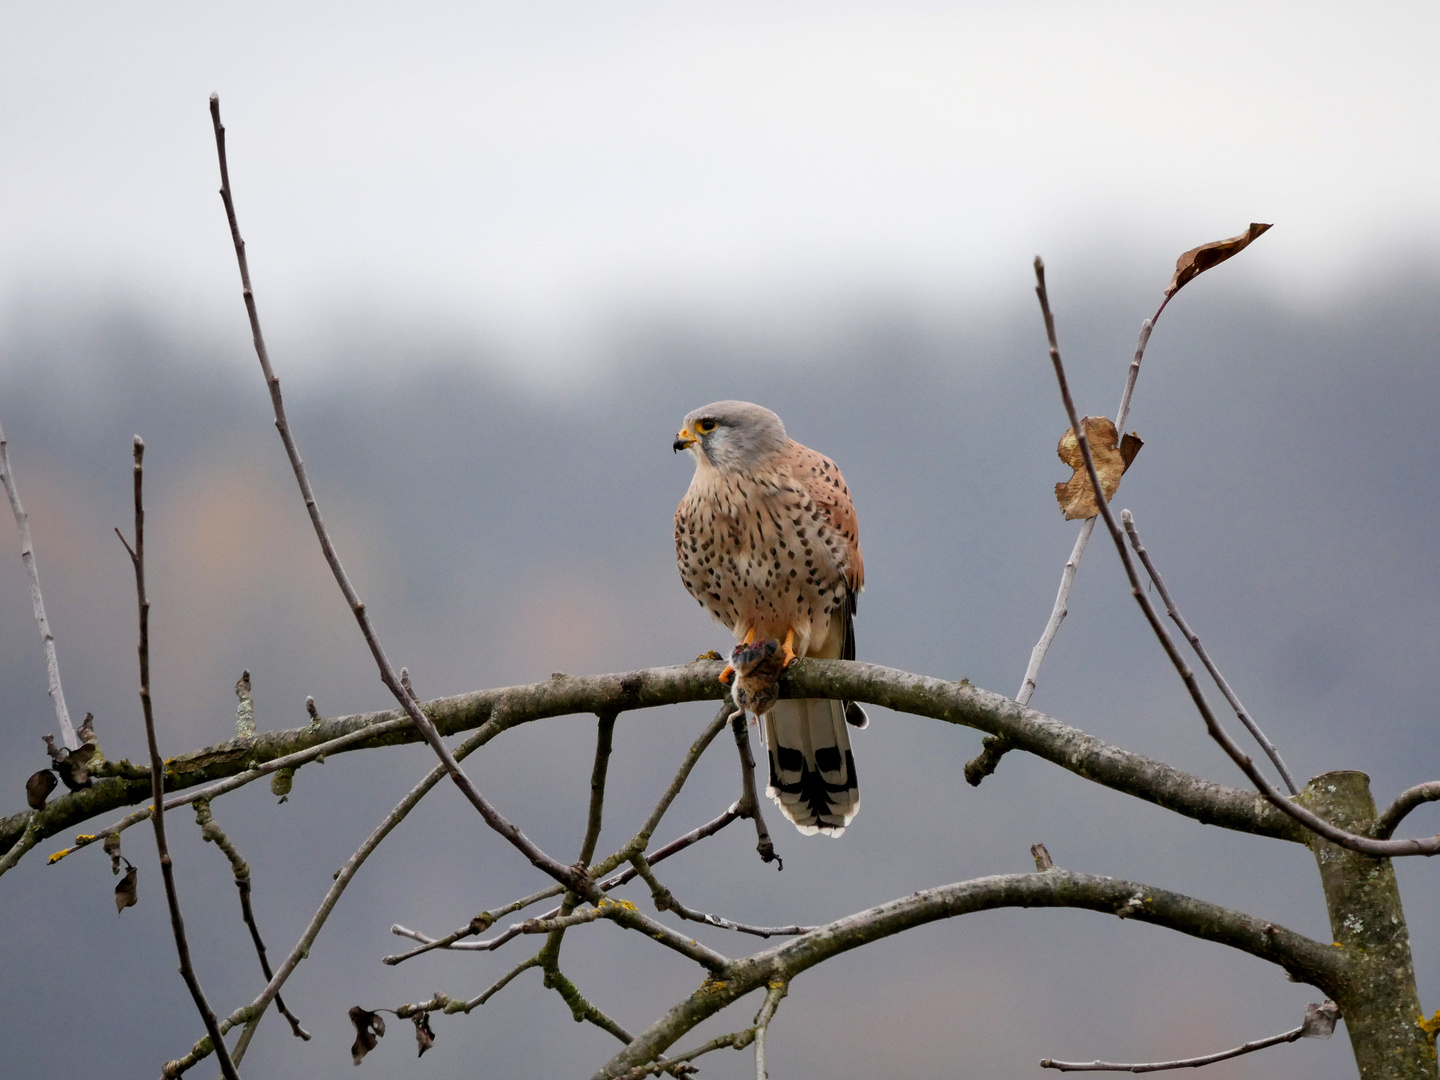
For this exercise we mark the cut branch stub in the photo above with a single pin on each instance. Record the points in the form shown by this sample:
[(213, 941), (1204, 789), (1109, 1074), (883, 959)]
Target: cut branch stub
[(1197, 260), (1112, 455)]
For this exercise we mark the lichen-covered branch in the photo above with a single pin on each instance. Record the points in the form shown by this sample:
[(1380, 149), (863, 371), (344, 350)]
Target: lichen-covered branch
[(1307, 961), (120, 784)]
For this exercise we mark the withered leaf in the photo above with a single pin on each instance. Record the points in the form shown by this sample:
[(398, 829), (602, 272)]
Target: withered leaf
[(38, 788), (1075, 497), (369, 1028), (73, 766), (87, 730), (423, 1035), (1320, 1021), (125, 892), (1197, 260), (112, 848)]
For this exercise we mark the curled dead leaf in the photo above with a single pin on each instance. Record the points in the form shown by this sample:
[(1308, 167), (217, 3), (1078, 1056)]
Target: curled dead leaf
[(424, 1036), (282, 783), (126, 891), (1112, 458), (1197, 260), (39, 787), (1320, 1021), (369, 1029)]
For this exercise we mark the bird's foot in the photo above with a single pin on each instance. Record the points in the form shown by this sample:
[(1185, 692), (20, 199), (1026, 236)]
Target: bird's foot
[(787, 648)]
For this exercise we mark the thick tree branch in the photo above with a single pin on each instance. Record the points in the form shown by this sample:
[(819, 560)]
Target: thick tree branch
[(1306, 960), (955, 703)]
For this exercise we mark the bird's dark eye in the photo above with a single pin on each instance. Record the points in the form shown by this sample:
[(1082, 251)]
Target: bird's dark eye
[(705, 426)]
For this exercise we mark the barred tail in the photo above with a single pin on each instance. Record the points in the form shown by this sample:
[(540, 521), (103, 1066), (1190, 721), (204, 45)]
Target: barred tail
[(812, 771)]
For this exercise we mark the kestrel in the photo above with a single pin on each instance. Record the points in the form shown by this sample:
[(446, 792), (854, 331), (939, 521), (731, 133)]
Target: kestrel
[(767, 542)]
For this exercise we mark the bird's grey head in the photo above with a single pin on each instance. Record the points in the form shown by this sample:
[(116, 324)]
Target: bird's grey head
[(732, 436)]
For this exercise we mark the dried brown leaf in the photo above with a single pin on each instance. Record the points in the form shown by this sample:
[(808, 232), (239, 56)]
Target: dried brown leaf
[(125, 892), (38, 788), (1320, 1021), (423, 1035), (1075, 497), (87, 730), (369, 1029), (1197, 260)]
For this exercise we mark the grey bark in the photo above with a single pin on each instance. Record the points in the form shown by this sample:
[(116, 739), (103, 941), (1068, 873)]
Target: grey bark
[(1378, 997)]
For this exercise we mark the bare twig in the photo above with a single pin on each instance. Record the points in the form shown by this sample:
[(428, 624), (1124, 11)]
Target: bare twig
[(774, 992), (485, 920), (1072, 564), (37, 601), (982, 766), (697, 748), (1406, 801), (749, 804), (250, 1014), (665, 901), (604, 740), (212, 833), (1179, 620), (1363, 844), (157, 776), (1319, 1023), (570, 876)]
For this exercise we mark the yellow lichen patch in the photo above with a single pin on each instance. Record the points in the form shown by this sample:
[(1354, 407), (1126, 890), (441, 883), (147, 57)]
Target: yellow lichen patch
[(59, 855), (84, 838), (626, 904), (1430, 1026)]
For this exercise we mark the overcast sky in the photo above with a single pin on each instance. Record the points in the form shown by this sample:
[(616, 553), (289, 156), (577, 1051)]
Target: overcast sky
[(526, 171)]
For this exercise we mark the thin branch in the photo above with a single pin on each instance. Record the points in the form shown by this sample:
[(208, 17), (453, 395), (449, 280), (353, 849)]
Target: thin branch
[(1318, 1024), (698, 747), (665, 901), (1363, 844), (250, 1014), (567, 875), (1191, 636), (1182, 1063), (289, 761), (211, 831), (604, 741), (982, 766), (773, 994), (1309, 961), (37, 601), (749, 804), (157, 776), (1072, 564), (1406, 801), (485, 920)]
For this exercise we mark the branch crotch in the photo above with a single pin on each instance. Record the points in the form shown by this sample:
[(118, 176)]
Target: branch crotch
[(1379, 1000)]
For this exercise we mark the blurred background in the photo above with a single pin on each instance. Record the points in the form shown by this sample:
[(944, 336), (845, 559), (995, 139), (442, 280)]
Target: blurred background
[(499, 253)]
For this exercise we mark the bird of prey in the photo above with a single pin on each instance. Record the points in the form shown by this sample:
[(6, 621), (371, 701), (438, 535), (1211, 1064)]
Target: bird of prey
[(767, 542)]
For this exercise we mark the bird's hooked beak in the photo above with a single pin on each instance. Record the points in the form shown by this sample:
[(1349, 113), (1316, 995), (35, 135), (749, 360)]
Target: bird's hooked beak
[(684, 440)]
